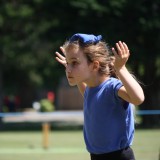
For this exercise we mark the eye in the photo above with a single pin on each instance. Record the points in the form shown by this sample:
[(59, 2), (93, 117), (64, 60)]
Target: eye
[(74, 63)]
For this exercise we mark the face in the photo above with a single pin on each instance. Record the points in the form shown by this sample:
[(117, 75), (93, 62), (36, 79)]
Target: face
[(77, 70)]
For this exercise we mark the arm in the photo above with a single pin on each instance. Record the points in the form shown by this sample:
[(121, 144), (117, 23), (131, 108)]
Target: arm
[(61, 59), (131, 90)]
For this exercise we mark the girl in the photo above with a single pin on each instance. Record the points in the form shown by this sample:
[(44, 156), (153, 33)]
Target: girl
[(109, 92)]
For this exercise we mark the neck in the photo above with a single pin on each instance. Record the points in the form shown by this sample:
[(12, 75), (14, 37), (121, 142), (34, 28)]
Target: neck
[(96, 81)]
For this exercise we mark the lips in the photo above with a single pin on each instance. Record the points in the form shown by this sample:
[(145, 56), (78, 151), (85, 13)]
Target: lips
[(69, 77)]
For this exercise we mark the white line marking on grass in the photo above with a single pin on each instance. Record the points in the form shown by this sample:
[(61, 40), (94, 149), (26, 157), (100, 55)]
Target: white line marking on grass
[(41, 150)]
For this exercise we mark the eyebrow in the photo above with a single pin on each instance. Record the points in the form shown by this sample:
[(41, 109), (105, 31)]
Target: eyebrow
[(74, 59)]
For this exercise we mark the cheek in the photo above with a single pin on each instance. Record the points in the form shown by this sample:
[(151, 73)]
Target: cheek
[(84, 69)]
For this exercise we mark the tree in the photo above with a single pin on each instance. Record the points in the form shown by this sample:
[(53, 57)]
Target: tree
[(137, 23), (31, 31), (26, 54)]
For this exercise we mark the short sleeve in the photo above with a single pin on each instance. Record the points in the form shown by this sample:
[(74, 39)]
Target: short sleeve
[(117, 85)]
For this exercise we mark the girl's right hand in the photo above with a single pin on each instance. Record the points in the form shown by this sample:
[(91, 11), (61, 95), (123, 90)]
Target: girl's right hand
[(121, 55), (60, 58)]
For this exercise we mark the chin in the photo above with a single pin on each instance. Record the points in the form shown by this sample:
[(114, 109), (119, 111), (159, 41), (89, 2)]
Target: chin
[(72, 84)]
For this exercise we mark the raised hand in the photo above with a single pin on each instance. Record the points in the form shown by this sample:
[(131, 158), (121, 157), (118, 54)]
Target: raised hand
[(121, 55), (60, 58)]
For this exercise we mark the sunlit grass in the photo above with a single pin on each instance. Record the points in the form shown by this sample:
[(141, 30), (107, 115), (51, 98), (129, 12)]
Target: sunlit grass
[(68, 145)]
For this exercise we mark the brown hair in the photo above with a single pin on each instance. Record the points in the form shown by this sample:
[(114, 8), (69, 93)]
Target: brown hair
[(100, 52)]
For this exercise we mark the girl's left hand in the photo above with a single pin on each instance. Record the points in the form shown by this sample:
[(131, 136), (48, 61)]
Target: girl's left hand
[(121, 55)]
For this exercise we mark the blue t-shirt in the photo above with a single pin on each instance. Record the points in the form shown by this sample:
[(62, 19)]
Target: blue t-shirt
[(108, 120)]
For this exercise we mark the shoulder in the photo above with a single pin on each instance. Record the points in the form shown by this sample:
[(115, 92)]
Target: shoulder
[(114, 86), (115, 83)]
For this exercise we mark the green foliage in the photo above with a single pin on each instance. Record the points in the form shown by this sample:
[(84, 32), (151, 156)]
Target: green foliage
[(24, 50), (31, 31), (46, 106)]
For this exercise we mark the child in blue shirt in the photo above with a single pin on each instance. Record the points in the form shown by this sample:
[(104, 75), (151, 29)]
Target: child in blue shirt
[(109, 92)]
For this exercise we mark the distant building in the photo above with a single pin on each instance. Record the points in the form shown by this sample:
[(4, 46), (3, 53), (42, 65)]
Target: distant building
[(68, 98)]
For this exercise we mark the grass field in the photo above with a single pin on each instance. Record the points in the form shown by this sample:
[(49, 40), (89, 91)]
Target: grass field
[(68, 145)]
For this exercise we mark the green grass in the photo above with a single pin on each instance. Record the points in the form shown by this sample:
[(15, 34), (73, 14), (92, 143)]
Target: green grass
[(147, 144), (68, 145)]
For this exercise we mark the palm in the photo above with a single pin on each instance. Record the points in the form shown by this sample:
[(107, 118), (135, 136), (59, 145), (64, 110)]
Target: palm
[(121, 55)]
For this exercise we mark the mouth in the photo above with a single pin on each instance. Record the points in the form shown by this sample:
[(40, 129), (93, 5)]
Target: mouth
[(69, 77), (71, 80)]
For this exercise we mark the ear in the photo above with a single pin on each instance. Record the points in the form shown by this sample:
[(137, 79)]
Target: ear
[(95, 65)]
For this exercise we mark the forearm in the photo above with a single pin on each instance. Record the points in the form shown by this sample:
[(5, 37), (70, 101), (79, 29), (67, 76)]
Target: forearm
[(133, 89)]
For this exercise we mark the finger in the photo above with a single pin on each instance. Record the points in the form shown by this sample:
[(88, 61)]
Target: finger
[(62, 49), (121, 45), (61, 61), (114, 52), (60, 56), (125, 46), (118, 49), (126, 52)]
